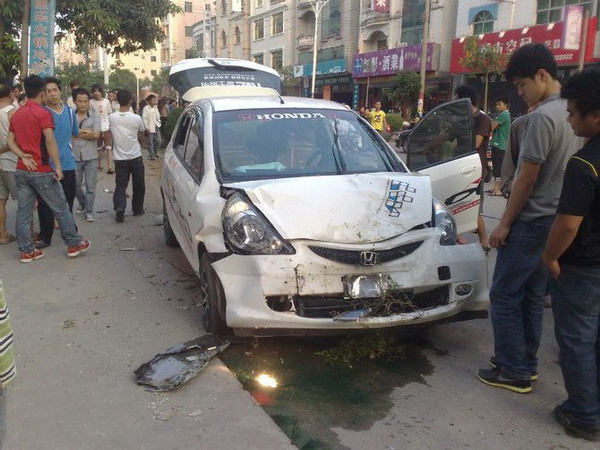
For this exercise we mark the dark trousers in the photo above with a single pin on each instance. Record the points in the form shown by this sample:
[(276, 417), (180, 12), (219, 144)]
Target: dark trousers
[(45, 215), (497, 158), (123, 170)]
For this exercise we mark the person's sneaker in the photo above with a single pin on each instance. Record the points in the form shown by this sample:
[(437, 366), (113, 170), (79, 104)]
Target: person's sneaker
[(79, 210), (72, 252), (494, 377), (120, 216), (41, 244), (27, 257), (139, 213), (89, 217), (566, 420), (494, 364)]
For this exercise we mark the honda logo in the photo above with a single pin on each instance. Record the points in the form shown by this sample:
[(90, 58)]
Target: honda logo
[(369, 258)]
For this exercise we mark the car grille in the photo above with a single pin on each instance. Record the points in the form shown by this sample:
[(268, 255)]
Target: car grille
[(398, 302), (354, 257)]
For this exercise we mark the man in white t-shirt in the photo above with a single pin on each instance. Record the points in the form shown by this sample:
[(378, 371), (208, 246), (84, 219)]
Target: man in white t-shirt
[(101, 106), (127, 130)]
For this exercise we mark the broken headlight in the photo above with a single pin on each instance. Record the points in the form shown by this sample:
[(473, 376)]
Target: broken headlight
[(443, 220), (247, 231)]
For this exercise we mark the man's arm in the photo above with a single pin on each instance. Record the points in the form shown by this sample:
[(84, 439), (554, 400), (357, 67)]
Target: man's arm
[(521, 190), (25, 157), (88, 134), (563, 232), (6, 148), (52, 147)]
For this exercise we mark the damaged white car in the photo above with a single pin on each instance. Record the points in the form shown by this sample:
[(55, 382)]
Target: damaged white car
[(298, 217)]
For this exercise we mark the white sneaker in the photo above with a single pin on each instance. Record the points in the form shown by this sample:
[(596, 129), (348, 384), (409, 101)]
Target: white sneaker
[(89, 218)]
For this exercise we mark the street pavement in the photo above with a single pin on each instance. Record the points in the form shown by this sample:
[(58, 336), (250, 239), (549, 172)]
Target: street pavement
[(83, 325)]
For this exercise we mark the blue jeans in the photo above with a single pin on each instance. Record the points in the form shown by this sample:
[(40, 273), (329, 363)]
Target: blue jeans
[(576, 307), (29, 186), (154, 142), (87, 170), (519, 284)]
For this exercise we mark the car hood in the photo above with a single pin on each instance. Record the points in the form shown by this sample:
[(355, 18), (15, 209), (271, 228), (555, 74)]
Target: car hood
[(358, 208)]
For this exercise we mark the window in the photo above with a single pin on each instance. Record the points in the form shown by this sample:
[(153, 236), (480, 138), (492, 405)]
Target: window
[(277, 23), (382, 44), (193, 158), (413, 12), (188, 7), (153, 73), (277, 60), (223, 7), (259, 3), (259, 29), (483, 23), (223, 39), (181, 136), (238, 38), (332, 19), (259, 58), (153, 58), (189, 32), (200, 42), (549, 11)]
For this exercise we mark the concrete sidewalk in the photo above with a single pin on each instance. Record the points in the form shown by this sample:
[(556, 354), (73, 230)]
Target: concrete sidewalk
[(83, 325)]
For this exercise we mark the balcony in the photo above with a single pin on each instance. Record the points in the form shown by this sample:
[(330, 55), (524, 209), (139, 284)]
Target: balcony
[(305, 42), (304, 4), (370, 18)]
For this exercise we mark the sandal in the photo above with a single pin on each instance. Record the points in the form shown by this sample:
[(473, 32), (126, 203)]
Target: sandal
[(100, 169), (8, 239), (110, 171)]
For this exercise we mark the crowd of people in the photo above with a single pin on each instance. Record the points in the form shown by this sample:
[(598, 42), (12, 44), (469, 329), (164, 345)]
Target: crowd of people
[(51, 154), (546, 163)]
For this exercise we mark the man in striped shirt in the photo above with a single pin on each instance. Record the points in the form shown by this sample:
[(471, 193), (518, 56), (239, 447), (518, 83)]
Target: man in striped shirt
[(7, 360)]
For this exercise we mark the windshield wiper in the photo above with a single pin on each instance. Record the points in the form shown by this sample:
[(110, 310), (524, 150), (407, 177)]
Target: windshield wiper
[(337, 153)]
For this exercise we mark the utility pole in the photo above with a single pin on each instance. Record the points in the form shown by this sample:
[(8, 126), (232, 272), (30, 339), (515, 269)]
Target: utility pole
[(424, 42), (25, 38), (317, 7), (583, 40)]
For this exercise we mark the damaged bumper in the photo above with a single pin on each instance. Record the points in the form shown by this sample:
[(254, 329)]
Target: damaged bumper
[(305, 291)]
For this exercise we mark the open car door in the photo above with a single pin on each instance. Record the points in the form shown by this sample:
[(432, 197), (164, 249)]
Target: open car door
[(442, 145)]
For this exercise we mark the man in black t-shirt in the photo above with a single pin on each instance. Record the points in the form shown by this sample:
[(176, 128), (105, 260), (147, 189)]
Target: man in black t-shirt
[(573, 256)]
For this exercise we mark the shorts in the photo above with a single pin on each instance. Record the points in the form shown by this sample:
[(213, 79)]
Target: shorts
[(8, 185)]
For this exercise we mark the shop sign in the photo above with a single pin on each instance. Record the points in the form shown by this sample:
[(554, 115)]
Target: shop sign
[(392, 61), (41, 53), (508, 41), (339, 79), (323, 68)]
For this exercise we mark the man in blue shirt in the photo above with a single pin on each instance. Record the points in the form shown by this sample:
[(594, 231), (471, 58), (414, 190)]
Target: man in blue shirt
[(65, 127)]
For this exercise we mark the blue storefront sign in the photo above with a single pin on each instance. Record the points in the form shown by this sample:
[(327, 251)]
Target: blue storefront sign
[(41, 48), (355, 96), (323, 68)]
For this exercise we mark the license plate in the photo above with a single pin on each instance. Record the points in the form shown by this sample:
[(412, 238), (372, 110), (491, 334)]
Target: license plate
[(366, 286)]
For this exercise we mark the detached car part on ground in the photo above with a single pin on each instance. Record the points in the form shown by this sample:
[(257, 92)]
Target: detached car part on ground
[(299, 219)]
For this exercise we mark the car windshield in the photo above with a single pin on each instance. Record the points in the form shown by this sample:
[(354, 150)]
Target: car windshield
[(260, 144)]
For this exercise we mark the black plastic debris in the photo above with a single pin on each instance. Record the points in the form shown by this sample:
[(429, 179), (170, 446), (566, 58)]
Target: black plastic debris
[(179, 364)]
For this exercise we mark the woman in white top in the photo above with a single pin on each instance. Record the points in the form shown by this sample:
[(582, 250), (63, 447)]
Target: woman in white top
[(102, 107)]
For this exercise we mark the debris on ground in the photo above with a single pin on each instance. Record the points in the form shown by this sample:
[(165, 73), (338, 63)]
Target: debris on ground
[(128, 249), (181, 363), (69, 323)]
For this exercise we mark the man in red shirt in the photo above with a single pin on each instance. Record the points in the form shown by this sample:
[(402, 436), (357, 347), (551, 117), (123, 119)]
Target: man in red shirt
[(31, 133)]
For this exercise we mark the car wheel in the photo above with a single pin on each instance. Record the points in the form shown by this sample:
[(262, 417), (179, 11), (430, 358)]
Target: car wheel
[(211, 293), (170, 238)]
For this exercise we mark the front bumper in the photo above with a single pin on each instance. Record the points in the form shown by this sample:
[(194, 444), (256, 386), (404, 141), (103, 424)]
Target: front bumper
[(249, 280)]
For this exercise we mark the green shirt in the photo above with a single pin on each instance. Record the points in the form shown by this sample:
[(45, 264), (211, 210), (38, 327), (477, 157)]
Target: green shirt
[(7, 356), (502, 131)]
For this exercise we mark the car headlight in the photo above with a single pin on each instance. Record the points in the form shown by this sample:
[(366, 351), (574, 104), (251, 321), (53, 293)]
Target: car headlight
[(247, 231), (443, 220)]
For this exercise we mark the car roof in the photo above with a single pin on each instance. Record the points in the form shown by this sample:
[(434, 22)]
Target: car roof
[(270, 101)]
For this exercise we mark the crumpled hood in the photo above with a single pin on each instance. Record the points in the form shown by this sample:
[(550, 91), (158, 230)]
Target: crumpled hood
[(356, 208)]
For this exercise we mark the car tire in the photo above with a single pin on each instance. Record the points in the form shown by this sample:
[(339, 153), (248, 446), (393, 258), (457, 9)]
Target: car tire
[(170, 238), (211, 291)]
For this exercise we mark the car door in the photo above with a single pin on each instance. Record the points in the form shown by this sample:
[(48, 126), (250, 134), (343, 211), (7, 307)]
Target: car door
[(442, 145)]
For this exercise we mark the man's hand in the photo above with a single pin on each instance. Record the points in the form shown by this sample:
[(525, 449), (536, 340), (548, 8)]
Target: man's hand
[(553, 267), (58, 174), (499, 235), (29, 162)]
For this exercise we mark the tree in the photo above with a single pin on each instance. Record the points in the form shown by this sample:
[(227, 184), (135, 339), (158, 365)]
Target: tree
[(290, 83), (80, 72), (123, 79), (122, 26), (160, 80), (405, 93), (483, 58)]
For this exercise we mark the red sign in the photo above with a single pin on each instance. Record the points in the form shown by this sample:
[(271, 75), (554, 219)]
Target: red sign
[(380, 5), (508, 41)]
